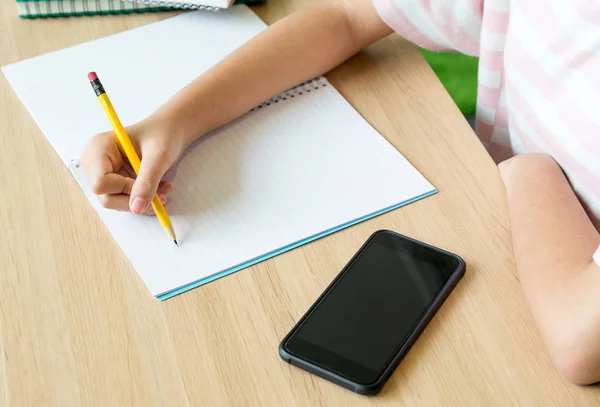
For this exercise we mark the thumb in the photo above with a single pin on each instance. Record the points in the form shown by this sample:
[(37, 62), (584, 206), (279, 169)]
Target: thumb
[(152, 169)]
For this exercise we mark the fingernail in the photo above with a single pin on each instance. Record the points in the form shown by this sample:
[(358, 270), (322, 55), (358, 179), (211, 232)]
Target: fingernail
[(163, 198), (138, 205)]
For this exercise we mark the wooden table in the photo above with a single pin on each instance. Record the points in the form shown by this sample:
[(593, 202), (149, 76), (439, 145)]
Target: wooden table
[(79, 328)]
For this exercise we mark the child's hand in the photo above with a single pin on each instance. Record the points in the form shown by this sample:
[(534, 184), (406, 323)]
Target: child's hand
[(111, 177)]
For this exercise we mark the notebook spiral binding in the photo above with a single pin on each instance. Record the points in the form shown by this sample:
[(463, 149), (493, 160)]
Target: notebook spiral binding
[(304, 87), (174, 5)]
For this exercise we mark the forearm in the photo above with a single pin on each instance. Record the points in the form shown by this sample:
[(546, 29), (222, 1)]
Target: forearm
[(299, 47), (554, 241), (551, 231)]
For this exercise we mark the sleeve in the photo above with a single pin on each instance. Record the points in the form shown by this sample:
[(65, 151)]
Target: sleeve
[(596, 256), (436, 25)]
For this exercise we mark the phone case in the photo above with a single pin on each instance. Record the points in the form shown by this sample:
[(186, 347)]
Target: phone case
[(373, 388)]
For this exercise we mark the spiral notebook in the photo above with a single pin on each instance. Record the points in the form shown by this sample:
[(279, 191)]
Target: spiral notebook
[(76, 8), (298, 167), (189, 4)]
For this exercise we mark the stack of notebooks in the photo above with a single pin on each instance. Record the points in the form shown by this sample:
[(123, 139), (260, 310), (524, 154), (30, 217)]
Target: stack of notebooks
[(73, 8), (297, 167)]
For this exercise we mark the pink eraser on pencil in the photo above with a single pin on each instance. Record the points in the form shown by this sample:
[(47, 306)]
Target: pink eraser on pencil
[(92, 76)]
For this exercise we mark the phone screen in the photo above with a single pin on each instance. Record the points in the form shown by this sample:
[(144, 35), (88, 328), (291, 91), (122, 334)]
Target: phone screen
[(358, 327)]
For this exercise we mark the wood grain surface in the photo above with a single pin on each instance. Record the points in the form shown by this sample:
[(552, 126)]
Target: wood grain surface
[(79, 328)]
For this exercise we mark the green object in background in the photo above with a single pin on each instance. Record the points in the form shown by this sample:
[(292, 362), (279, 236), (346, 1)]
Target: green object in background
[(458, 74)]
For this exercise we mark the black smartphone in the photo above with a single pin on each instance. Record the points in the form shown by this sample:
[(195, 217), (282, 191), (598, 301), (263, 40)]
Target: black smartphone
[(368, 318)]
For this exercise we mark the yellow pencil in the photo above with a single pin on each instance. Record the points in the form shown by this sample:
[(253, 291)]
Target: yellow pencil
[(130, 152)]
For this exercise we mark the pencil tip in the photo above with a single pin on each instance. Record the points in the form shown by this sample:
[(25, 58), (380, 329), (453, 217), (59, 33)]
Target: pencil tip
[(176, 243)]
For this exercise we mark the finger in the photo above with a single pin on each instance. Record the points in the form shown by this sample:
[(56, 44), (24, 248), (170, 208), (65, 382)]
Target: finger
[(152, 168), (164, 187), (99, 158), (96, 165), (118, 202), (150, 210), (128, 170), (112, 183)]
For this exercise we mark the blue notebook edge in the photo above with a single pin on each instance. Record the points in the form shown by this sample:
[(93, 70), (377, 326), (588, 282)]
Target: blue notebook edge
[(267, 256)]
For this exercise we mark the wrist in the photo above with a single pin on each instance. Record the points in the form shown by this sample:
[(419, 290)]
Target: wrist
[(173, 122)]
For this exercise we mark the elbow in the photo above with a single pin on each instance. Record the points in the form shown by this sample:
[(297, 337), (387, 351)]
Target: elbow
[(513, 169), (577, 359), (576, 371)]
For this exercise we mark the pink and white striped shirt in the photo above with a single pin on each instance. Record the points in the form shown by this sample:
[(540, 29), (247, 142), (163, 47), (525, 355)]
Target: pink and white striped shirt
[(539, 74)]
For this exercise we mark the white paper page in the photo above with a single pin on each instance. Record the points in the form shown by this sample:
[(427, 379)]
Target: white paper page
[(277, 176), (140, 70)]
